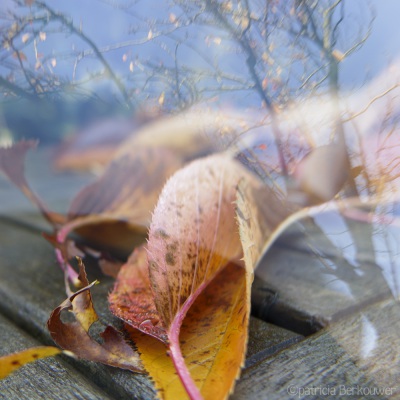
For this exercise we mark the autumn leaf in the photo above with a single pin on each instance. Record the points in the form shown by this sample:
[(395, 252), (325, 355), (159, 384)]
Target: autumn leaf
[(132, 298), (74, 336), (12, 160), (212, 340), (111, 211), (193, 237), (12, 362)]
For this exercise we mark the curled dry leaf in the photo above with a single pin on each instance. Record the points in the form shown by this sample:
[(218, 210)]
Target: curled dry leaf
[(193, 237), (12, 362), (212, 340), (74, 336), (113, 212)]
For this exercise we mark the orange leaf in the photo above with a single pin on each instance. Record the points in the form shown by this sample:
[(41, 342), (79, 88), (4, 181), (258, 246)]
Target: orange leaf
[(212, 339), (193, 236), (12, 362)]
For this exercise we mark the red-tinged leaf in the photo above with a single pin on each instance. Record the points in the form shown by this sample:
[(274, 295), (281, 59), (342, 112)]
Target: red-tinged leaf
[(193, 233), (12, 362), (132, 298), (110, 267), (74, 336), (193, 236), (12, 161), (212, 340), (20, 55)]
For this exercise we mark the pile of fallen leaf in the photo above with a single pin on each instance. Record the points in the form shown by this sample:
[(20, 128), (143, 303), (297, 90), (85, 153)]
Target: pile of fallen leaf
[(184, 293)]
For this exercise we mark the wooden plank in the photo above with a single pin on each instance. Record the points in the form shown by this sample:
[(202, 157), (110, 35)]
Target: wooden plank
[(266, 340), (306, 280), (31, 285), (355, 358), (44, 379)]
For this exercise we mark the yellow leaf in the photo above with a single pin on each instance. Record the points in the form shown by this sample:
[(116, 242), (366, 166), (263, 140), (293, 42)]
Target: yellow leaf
[(161, 99), (188, 303), (42, 36), (124, 57), (12, 362), (131, 66), (20, 55), (265, 56), (25, 37), (244, 23), (226, 6), (338, 55), (213, 340), (53, 62), (172, 18), (196, 296), (217, 40), (150, 34)]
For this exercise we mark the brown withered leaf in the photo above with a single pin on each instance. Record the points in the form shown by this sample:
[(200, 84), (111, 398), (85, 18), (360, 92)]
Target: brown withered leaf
[(74, 336), (193, 237), (110, 212), (95, 145)]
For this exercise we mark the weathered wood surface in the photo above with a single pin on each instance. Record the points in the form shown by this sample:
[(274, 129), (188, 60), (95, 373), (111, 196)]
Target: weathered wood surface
[(359, 355), (31, 285), (306, 282), (45, 379)]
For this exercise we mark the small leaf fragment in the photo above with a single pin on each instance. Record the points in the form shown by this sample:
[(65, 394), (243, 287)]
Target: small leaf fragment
[(74, 336), (12, 362)]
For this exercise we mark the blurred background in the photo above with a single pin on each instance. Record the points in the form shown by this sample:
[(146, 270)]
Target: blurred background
[(66, 65)]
